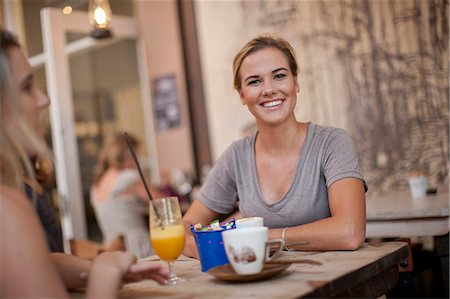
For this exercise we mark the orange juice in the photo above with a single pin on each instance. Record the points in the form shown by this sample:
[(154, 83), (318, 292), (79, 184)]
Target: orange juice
[(168, 243)]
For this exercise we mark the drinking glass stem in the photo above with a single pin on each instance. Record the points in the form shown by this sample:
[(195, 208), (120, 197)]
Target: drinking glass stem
[(173, 278), (171, 274)]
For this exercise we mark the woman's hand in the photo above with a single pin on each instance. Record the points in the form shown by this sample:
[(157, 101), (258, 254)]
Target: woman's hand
[(136, 271), (146, 270), (110, 269)]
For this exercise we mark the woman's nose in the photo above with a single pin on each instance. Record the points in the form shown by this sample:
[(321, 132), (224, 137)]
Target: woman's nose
[(268, 88), (43, 100), (268, 92)]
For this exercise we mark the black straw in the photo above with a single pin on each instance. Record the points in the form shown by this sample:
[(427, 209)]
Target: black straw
[(130, 146)]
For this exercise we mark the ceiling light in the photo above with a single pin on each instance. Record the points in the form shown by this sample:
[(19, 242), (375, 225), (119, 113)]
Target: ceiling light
[(100, 17), (67, 10)]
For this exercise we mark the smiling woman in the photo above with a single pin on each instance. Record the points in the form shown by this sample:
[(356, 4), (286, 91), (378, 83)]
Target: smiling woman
[(304, 179), (268, 87)]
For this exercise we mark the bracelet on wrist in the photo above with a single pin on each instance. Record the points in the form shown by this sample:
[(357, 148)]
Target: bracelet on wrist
[(283, 238)]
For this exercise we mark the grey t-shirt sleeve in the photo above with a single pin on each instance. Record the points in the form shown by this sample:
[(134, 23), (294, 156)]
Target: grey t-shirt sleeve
[(340, 158), (219, 192)]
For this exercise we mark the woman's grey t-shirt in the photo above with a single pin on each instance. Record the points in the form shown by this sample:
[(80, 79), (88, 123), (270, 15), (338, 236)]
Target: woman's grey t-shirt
[(328, 155)]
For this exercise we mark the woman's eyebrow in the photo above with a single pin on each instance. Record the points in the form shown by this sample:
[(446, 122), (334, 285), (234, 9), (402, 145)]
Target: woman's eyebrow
[(279, 69)]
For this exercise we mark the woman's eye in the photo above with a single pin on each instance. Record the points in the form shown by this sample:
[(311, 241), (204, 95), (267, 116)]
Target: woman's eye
[(280, 76), (253, 82), (28, 87)]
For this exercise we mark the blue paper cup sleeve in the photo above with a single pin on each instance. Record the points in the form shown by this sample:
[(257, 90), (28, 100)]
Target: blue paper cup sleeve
[(210, 248)]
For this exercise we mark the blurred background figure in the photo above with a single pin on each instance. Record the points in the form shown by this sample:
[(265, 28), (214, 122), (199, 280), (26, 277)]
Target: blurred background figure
[(180, 185), (119, 198)]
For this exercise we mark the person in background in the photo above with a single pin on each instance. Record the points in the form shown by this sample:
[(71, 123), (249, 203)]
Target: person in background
[(28, 269), (34, 189), (119, 197), (302, 178)]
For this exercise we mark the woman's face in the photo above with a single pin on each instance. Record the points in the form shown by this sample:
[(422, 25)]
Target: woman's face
[(31, 101), (268, 87)]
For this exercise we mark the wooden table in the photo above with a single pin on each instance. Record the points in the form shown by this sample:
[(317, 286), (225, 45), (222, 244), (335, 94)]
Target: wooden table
[(397, 214), (368, 272)]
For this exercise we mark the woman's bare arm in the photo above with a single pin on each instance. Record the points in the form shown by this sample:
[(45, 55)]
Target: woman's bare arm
[(70, 268), (344, 230), (30, 271), (27, 269)]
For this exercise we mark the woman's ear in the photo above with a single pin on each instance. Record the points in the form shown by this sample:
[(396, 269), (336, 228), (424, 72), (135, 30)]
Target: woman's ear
[(297, 86), (242, 98)]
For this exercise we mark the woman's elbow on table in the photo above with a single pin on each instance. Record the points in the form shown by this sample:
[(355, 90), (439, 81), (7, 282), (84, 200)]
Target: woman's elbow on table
[(353, 237)]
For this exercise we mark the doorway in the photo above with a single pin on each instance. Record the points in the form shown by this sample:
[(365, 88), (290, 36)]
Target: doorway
[(96, 88)]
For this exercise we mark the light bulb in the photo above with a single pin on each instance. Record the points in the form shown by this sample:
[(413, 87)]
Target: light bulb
[(100, 17), (67, 10)]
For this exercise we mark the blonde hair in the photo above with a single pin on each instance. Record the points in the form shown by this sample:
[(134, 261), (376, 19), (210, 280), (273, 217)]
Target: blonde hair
[(14, 158), (113, 154), (259, 43)]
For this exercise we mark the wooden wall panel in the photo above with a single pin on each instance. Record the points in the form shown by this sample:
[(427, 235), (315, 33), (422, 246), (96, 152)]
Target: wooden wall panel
[(377, 68)]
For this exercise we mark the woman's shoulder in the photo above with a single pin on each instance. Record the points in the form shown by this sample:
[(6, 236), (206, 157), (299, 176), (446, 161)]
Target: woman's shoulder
[(237, 152), (12, 198), (125, 179), (326, 129), (243, 144), (24, 249), (332, 139), (17, 210), (128, 173), (114, 177), (329, 131)]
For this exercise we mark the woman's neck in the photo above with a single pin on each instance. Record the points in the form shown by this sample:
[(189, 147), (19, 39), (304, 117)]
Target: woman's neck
[(281, 140)]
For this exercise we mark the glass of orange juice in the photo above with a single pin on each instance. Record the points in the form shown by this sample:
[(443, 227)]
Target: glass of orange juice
[(167, 233)]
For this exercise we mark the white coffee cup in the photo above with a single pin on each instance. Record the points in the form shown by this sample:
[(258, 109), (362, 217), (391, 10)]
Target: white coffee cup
[(248, 249), (418, 186), (249, 222)]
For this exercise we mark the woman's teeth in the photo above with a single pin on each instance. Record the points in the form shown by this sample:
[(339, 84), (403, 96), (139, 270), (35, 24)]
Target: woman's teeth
[(272, 103)]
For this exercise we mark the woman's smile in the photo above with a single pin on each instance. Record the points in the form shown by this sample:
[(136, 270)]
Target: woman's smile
[(272, 104)]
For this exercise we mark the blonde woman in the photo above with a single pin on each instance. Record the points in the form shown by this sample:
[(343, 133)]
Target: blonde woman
[(119, 197), (28, 270), (304, 179)]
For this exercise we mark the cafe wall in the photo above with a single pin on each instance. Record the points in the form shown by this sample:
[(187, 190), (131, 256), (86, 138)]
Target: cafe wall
[(377, 68), (158, 23)]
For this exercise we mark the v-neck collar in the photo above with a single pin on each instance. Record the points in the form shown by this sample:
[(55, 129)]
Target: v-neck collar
[(303, 153)]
